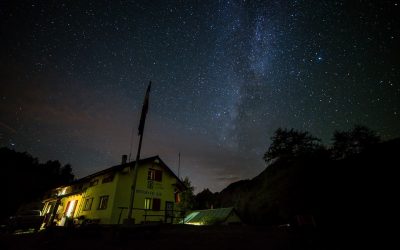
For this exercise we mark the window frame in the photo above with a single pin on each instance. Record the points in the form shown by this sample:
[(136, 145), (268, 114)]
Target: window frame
[(154, 204), (158, 175), (93, 182), (107, 178), (103, 200), (151, 174), (85, 205), (154, 175), (148, 203)]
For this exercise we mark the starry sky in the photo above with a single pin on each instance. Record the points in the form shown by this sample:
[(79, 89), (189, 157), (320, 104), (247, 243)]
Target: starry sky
[(226, 75)]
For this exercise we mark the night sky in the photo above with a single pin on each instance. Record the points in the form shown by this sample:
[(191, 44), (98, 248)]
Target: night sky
[(226, 75)]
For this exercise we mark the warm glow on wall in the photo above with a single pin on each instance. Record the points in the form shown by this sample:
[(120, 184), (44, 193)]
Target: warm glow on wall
[(71, 208), (62, 191)]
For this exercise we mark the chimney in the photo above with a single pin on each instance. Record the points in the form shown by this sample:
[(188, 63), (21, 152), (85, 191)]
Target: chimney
[(124, 158)]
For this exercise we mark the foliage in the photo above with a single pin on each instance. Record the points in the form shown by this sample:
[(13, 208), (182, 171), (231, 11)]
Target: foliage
[(205, 200), (354, 192), (352, 142), (26, 180), (187, 197), (290, 143)]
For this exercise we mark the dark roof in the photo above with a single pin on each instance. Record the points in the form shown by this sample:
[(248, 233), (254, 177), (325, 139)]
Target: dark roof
[(131, 164), (209, 215)]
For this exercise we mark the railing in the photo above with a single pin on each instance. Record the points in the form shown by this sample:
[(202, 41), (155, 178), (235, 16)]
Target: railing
[(165, 215)]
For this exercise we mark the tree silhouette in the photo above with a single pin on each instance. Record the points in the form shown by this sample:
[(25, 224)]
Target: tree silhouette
[(66, 174), (26, 180), (187, 197), (290, 143), (205, 200), (354, 141)]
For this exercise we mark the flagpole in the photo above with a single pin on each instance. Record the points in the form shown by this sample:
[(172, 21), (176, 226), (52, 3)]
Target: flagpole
[(179, 164), (130, 148), (135, 170)]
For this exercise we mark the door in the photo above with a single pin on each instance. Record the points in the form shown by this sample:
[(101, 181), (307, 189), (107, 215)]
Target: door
[(169, 212)]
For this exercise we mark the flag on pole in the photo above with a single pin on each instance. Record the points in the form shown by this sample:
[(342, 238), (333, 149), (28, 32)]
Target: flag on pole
[(145, 108)]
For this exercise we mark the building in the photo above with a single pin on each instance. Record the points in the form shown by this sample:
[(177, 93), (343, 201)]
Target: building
[(224, 216), (104, 197)]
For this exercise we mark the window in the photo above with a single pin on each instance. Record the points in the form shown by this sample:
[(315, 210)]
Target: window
[(150, 184), (108, 178), (88, 204), (154, 175), (177, 197), (103, 202), (151, 174), (93, 183), (71, 205), (158, 176), (48, 208), (147, 203), (156, 204)]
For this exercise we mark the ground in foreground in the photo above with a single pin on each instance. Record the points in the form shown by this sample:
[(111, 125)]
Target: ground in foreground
[(169, 237)]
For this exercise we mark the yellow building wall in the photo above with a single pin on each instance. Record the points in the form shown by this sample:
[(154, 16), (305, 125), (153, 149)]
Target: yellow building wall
[(163, 190), (119, 191), (122, 196), (71, 198), (62, 208), (95, 192)]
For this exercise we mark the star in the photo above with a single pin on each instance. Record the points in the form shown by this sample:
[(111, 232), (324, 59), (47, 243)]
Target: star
[(226, 75)]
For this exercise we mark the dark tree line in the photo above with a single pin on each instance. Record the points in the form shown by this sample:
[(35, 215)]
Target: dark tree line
[(347, 186), (292, 144), (26, 180)]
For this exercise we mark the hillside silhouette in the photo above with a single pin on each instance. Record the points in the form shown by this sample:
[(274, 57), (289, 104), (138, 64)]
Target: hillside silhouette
[(346, 187)]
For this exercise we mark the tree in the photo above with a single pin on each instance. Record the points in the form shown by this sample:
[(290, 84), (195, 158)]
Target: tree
[(26, 180), (205, 199), (354, 141), (66, 175), (187, 197), (290, 143)]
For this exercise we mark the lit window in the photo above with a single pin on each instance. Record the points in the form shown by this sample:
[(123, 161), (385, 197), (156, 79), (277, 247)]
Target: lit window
[(147, 203), (88, 204), (103, 202), (62, 191), (69, 211), (47, 208)]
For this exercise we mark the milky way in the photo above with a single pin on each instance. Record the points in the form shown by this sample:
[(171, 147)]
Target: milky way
[(226, 75)]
